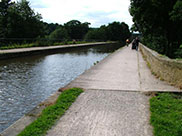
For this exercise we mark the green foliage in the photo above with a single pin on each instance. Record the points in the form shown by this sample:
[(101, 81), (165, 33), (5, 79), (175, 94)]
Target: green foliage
[(159, 21), (15, 46), (76, 29), (178, 53), (18, 22), (166, 114), (59, 35), (98, 34), (118, 31), (50, 114), (156, 43), (43, 41), (176, 13), (115, 31), (49, 28), (133, 28)]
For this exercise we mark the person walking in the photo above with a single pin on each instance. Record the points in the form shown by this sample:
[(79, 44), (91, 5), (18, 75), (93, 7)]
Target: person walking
[(136, 43), (127, 42)]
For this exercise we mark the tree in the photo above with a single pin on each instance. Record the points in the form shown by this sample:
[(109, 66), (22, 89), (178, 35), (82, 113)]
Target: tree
[(98, 34), (4, 6), (76, 29), (133, 28), (50, 27), (59, 35), (117, 31), (159, 22), (176, 17), (30, 23), (92, 34), (19, 22)]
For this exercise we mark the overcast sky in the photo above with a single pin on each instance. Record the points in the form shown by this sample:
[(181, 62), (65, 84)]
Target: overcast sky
[(96, 12)]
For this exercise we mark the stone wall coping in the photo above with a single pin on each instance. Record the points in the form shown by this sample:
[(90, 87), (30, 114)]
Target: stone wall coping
[(165, 59)]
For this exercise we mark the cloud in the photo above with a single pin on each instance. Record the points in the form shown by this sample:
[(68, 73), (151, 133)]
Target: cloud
[(36, 4), (98, 18), (97, 12)]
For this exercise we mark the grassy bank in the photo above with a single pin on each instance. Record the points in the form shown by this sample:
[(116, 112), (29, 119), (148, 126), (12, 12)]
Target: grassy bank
[(52, 113), (166, 114), (15, 46)]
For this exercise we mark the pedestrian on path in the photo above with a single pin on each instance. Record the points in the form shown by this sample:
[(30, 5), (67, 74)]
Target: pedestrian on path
[(133, 45), (136, 43), (127, 42)]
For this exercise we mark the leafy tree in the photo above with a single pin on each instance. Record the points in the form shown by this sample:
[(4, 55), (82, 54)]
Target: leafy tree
[(4, 6), (98, 34), (125, 32), (76, 29), (59, 35), (159, 21), (118, 31), (50, 27), (133, 28), (19, 22), (30, 23), (92, 34), (115, 31)]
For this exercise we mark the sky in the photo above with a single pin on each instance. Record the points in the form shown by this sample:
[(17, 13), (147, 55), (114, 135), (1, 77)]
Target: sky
[(96, 12)]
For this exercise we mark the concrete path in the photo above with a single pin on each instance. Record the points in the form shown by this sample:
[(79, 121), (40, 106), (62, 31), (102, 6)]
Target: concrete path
[(125, 70), (114, 102)]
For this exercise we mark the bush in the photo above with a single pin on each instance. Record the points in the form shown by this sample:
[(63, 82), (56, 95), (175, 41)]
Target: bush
[(178, 53)]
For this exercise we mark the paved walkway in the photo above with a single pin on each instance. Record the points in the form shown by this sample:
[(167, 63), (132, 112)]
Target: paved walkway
[(114, 102)]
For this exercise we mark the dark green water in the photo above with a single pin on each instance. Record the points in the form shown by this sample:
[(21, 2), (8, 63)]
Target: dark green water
[(27, 81)]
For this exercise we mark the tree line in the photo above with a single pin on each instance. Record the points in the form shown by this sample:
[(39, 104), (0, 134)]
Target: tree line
[(160, 23), (20, 24)]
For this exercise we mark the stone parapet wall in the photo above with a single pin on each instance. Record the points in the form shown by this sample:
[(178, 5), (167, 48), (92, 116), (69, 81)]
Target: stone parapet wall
[(163, 67)]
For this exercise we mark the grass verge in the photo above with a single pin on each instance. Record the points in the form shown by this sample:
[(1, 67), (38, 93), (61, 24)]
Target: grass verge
[(166, 114), (51, 113), (15, 46)]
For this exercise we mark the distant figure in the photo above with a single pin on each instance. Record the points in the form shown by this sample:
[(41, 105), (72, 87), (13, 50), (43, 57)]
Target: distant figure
[(127, 42), (136, 43), (133, 44)]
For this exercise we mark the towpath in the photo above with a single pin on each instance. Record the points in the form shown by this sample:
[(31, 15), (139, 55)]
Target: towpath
[(115, 101)]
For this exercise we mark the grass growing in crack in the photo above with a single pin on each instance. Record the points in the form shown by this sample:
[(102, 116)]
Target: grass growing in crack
[(166, 114), (50, 114)]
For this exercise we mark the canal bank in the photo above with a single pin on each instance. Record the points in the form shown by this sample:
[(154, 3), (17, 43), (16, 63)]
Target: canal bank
[(12, 53)]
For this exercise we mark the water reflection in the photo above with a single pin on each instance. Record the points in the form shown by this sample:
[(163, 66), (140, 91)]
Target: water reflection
[(27, 81)]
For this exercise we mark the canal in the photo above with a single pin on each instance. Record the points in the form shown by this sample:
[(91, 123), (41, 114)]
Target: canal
[(27, 81)]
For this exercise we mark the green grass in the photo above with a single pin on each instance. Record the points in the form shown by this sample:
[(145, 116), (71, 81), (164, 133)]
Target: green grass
[(166, 114), (52, 113), (15, 46)]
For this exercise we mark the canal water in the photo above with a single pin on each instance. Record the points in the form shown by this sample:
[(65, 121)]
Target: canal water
[(27, 81)]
